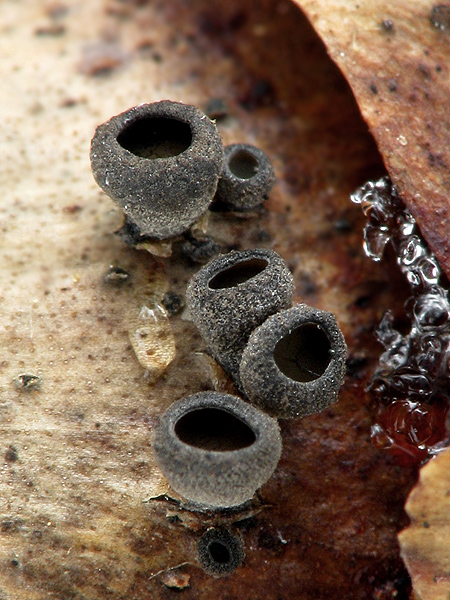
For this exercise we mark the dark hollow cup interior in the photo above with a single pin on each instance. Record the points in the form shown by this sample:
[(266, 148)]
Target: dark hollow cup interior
[(219, 553), (243, 164), (156, 137), (303, 354), (238, 273), (213, 429)]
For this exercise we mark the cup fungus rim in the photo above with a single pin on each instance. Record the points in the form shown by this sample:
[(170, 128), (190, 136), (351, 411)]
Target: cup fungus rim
[(163, 197), (164, 109), (314, 318), (223, 262), (233, 150), (259, 155), (260, 350), (219, 534), (177, 411), (203, 476)]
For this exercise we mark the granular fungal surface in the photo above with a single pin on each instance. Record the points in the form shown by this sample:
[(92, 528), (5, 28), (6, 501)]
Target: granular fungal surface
[(76, 520)]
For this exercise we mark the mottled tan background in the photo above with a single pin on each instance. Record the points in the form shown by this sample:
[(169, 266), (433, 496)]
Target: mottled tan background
[(77, 470)]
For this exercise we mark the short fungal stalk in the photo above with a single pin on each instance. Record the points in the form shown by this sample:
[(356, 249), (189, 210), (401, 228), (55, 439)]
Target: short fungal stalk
[(411, 382)]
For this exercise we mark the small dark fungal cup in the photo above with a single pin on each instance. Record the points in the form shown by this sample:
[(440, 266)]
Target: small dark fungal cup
[(215, 449), (294, 363), (161, 163), (246, 179), (220, 552), (233, 294)]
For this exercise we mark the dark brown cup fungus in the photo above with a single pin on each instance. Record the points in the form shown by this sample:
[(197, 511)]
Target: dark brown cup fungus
[(161, 163), (294, 363), (233, 294), (215, 449), (220, 552), (246, 179)]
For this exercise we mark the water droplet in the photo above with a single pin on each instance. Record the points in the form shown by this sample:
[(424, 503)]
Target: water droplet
[(430, 271), (375, 240), (431, 310), (411, 382), (386, 333), (412, 251)]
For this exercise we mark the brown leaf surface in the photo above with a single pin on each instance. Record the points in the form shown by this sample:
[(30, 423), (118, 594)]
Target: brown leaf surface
[(396, 57), (425, 544), (77, 473)]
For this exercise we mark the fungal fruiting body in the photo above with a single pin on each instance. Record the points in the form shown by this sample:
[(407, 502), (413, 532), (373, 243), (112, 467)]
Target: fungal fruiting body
[(215, 449), (294, 363), (246, 179), (220, 552), (161, 163), (233, 294)]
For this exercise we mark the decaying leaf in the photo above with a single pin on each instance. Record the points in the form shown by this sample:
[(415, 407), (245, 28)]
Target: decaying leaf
[(425, 544), (396, 57)]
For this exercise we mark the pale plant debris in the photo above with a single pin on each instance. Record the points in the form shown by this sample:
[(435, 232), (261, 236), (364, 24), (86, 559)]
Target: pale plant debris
[(149, 327), (153, 340), (27, 381)]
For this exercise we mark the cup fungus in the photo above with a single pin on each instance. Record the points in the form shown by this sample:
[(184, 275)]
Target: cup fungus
[(161, 163), (220, 552), (294, 363), (233, 294), (215, 449), (246, 179)]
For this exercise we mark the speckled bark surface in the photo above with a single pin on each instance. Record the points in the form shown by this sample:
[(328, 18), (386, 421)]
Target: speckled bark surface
[(77, 467)]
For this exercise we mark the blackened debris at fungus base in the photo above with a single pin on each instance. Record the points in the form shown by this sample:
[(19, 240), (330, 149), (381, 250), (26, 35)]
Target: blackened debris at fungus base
[(411, 383), (220, 552)]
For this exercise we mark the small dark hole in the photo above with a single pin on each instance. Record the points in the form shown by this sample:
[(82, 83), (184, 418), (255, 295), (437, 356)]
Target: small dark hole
[(156, 137), (219, 553), (239, 273), (243, 164), (214, 429), (304, 354)]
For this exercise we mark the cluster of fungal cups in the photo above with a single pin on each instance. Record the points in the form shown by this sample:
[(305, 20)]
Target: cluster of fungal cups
[(217, 449), (165, 164), (289, 362)]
